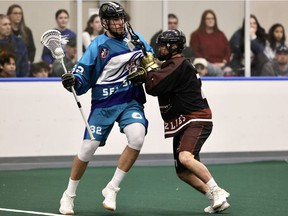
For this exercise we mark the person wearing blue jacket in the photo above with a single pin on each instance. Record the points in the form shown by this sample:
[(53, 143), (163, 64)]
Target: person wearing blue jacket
[(62, 19), (11, 44)]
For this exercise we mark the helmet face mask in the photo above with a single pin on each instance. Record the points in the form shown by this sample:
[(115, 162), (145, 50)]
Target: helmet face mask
[(173, 40), (109, 14)]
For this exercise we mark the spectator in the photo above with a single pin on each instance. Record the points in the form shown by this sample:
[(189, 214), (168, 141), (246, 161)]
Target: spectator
[(209, 42), (69, 59), (92, 30), (258, 41), (14, 45), (40, 69), (62, 19), (279, 65), (205, 68), (276, 38), (172, 24), (7, 65), (201, 66), (20, 30)]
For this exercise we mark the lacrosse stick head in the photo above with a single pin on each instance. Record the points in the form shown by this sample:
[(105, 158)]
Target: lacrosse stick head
[(53, 40)]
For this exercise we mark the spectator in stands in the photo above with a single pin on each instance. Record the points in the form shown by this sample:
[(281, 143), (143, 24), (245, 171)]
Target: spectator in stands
[(209, 42), (92, 30), (205, 68), (201, 66), (62, 19), (172, 24), (258, 40), (276, 38), (40, 69), (20, 30), (69, 59), (14, 45), (279, 65), (7, 64)]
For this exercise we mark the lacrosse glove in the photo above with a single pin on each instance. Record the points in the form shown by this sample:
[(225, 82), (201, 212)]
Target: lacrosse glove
[(137, 75), (68, 81), (148, 62)]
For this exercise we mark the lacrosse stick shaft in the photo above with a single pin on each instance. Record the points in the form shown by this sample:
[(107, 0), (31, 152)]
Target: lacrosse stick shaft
[(79, 105), (53, 40), (136, 39)]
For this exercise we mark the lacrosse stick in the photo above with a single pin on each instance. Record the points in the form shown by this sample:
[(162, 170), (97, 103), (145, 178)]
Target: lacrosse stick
[(134, 38), (53, 40)]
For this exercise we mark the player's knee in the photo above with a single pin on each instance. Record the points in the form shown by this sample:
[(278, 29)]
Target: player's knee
[(180, 169), (185, 157), (136, 142), (87, 150), (136, 135)]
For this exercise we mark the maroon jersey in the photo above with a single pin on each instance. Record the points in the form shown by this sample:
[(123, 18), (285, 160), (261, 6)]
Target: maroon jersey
[(178, 87)]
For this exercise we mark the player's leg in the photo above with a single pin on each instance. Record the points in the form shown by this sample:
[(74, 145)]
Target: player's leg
[(133, 123), (83, 157), (187, 147), (199, 185), (197, 168), (189, 178), (202, 173), (135, 134), (79, 166), (184, 173)]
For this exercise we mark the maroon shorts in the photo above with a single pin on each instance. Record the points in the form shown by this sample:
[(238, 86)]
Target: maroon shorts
[(191, 139)]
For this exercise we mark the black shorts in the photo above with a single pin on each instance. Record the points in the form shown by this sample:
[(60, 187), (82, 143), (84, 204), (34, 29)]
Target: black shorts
[(191, 139)]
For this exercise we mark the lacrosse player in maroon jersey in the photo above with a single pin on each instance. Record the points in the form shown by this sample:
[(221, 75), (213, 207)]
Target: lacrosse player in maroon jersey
[(185, 111)]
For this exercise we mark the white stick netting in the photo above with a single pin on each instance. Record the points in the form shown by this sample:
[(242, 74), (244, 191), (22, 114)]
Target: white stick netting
[(53, 40)]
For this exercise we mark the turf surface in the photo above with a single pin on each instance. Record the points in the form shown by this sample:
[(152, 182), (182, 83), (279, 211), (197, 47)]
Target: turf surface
[(256, 189)]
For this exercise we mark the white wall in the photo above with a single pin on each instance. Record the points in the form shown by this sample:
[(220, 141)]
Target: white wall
[(42, 119)]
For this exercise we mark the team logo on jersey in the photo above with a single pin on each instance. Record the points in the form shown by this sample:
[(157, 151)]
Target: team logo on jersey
[(103, 53)]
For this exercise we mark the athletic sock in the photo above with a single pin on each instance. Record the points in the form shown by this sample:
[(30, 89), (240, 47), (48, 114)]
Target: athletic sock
[(72, 187), (211, 183), (117, 178)]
